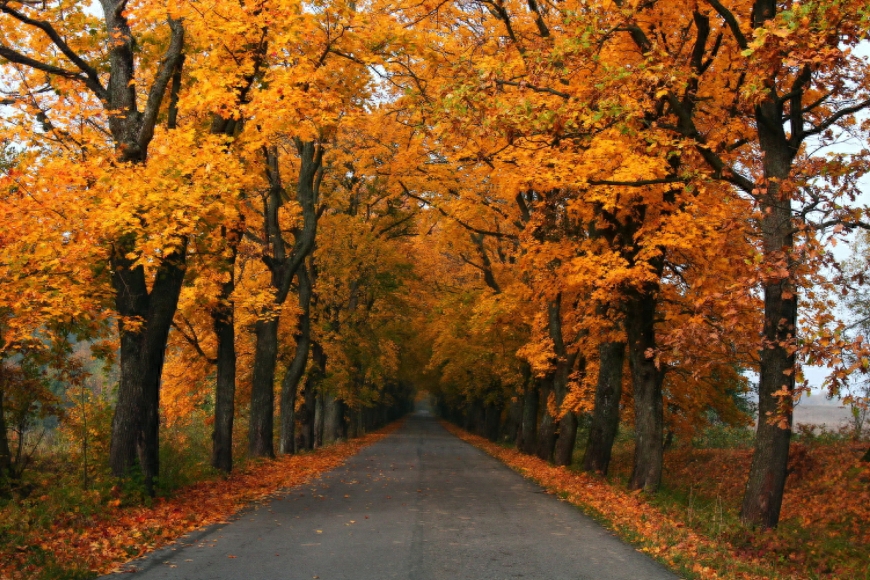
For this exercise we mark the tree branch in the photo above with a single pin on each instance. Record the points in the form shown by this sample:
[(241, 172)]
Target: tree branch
[(731, 21), (91, 78), (820, 128), (457, 220), (638, 183), (525, 85), (164, 74), (192, 339)]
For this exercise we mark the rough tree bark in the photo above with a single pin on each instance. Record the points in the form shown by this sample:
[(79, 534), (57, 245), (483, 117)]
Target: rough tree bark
[(223, 321), (135, 425), (143, 317), (297, 367), (762, 500), (647, 377), (605, 416)]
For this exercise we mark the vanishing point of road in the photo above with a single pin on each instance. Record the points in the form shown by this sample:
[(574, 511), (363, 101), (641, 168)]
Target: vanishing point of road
[(419, 505)]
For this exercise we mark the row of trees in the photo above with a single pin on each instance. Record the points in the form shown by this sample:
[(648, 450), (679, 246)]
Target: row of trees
[(656, 181), (169, 168), (502, 201)]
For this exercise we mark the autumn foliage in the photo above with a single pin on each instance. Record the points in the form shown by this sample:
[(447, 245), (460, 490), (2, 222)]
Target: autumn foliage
[(273, 222)]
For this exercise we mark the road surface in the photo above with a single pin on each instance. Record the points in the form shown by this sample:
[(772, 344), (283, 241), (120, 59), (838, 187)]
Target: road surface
[(418, 505)]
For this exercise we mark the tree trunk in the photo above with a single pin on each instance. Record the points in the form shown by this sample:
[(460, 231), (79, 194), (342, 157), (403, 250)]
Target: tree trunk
[(225, 391), (530, 418), (492, 421), (762, 500), (647, 380), (297, 366), (318, 420), (333, 419), (283, 266), (143, 326), (306, 420), (564, 452), (513, 427), (478, 420), (547, 424), (318, 369), (5, 453), (605, 416), (260, 432)]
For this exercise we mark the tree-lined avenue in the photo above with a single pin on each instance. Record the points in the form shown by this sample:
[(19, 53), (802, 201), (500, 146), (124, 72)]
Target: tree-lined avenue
[(420, 504)]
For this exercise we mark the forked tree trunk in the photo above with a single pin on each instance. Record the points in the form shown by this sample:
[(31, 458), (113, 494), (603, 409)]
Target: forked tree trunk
[(143, 326), (143, 317), (605, 416), (647, 379), (283, 266)]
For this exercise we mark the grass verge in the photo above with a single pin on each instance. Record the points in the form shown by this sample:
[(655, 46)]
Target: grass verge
[(80, 548)]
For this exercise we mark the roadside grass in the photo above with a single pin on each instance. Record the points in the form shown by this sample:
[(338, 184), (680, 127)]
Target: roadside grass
[(823, 531), (61, 530), (692, 524)]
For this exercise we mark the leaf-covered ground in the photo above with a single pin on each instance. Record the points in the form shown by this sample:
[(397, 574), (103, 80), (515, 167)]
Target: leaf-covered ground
[(824, 533), (73, 548)]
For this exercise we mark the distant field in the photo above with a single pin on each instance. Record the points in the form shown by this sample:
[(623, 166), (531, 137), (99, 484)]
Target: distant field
[(831, 416)]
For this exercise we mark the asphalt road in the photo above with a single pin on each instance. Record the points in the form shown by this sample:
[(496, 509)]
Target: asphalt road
[(418, 505)]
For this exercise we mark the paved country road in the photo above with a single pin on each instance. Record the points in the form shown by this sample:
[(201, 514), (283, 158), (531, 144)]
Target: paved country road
[(418, 505)]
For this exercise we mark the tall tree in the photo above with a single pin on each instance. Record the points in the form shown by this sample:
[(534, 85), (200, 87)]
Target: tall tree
[(49, 43)]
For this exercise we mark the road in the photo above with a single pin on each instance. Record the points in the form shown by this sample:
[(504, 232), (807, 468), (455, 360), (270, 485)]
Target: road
[(418, 505)]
